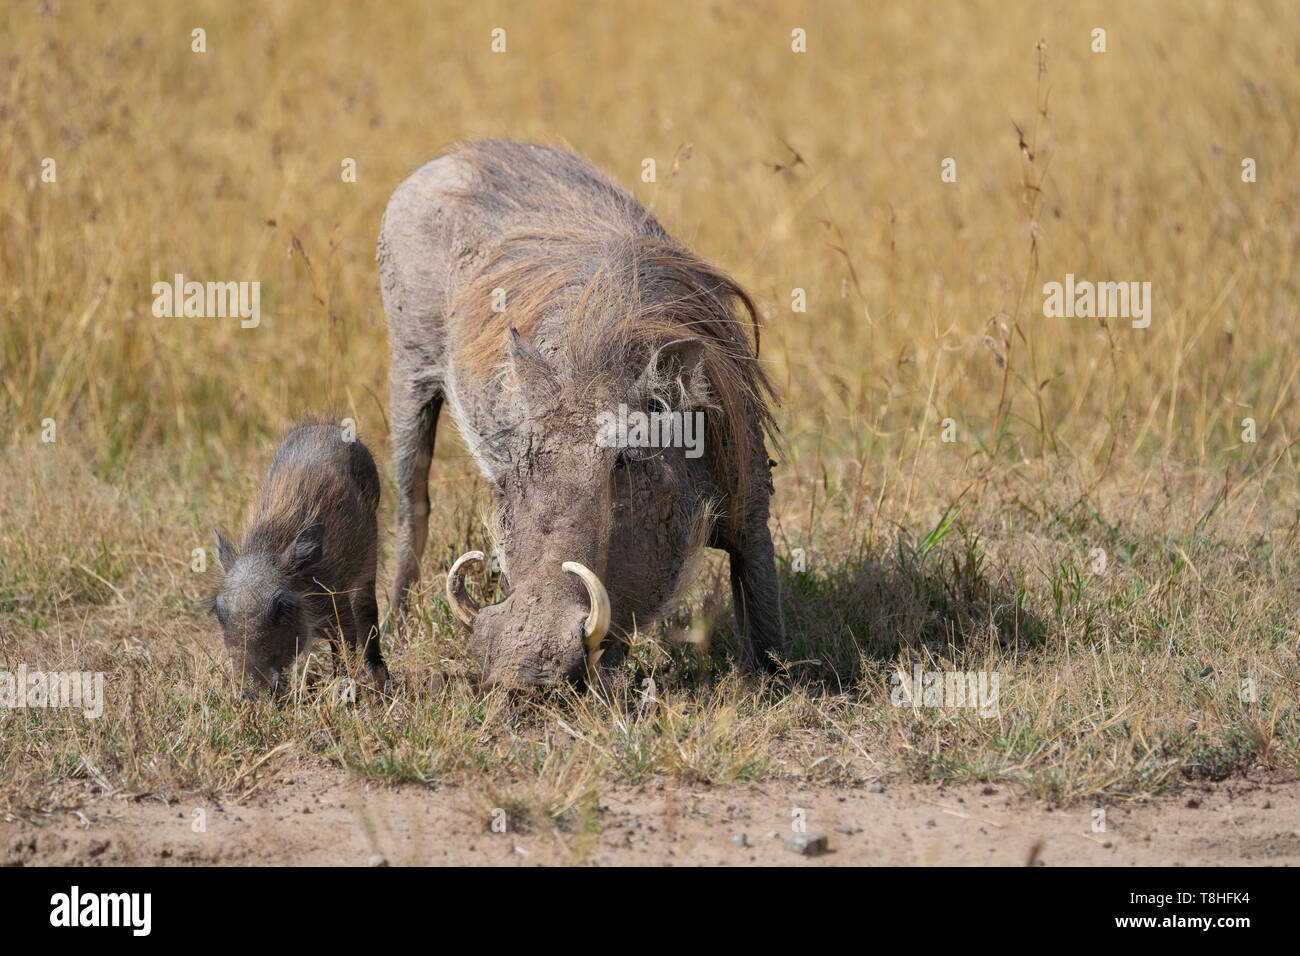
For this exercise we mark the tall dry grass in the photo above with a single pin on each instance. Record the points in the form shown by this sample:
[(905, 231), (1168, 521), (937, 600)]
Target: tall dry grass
[(818, 171)]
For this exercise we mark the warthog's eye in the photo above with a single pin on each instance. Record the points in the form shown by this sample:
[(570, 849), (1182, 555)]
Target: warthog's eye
[(658, 406), (498, 445), (284, 607), (620, 462)]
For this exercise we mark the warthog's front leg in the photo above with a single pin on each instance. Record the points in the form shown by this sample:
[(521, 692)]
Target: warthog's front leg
[(755, 586), (756, 593), (415, 427)]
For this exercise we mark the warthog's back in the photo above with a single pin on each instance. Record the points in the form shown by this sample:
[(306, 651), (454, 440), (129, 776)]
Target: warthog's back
[(445, 221)]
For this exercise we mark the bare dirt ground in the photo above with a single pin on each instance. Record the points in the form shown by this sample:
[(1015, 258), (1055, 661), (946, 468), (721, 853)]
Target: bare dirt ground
[(326, 817)]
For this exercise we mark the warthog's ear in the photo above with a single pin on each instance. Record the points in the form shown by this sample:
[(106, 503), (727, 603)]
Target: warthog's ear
[(226, 553), (305, 550), (678, 366), (530, 366)]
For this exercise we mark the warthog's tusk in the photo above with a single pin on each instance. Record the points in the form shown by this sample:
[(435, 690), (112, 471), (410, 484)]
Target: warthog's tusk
[(597, 624), (464, 606)]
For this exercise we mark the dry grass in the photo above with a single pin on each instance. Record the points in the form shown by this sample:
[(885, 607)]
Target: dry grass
[(1073, 434)]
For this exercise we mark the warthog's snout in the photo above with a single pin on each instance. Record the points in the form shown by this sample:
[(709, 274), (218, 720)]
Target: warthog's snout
[(542, 633), (255, 689), (254, 679)]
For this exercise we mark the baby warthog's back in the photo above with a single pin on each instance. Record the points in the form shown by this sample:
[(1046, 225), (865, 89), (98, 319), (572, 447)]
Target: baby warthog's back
[(318, 475)]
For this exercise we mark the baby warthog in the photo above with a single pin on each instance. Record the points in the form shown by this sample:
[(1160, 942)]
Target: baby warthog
[(307, 566)]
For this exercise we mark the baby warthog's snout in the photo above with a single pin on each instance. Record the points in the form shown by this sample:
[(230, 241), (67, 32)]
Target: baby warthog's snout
[(261, 664), (542, 633), (258, 683)]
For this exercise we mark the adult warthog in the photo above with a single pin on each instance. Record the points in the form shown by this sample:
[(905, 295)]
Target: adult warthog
[(605, 381)]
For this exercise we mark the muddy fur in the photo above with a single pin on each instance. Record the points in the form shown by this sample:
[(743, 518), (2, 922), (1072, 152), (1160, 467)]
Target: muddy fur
[(602, 308)]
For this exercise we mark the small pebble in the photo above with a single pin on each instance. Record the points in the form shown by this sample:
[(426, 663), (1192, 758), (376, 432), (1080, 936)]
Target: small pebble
[(808, 844), (378, 860)]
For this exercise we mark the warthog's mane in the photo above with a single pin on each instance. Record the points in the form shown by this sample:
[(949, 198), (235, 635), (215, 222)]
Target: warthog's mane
[(594, 261)]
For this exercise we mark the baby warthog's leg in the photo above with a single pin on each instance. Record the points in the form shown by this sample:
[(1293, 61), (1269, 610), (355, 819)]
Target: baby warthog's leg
[(365, 612), (337, 625)]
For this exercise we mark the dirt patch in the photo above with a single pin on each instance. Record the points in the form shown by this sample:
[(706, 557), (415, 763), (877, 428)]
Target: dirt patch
[(326, 817)]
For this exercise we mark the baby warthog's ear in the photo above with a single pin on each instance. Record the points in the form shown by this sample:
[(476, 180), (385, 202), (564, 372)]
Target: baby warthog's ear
[(226, 553), (305, 550), (677, 369)]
